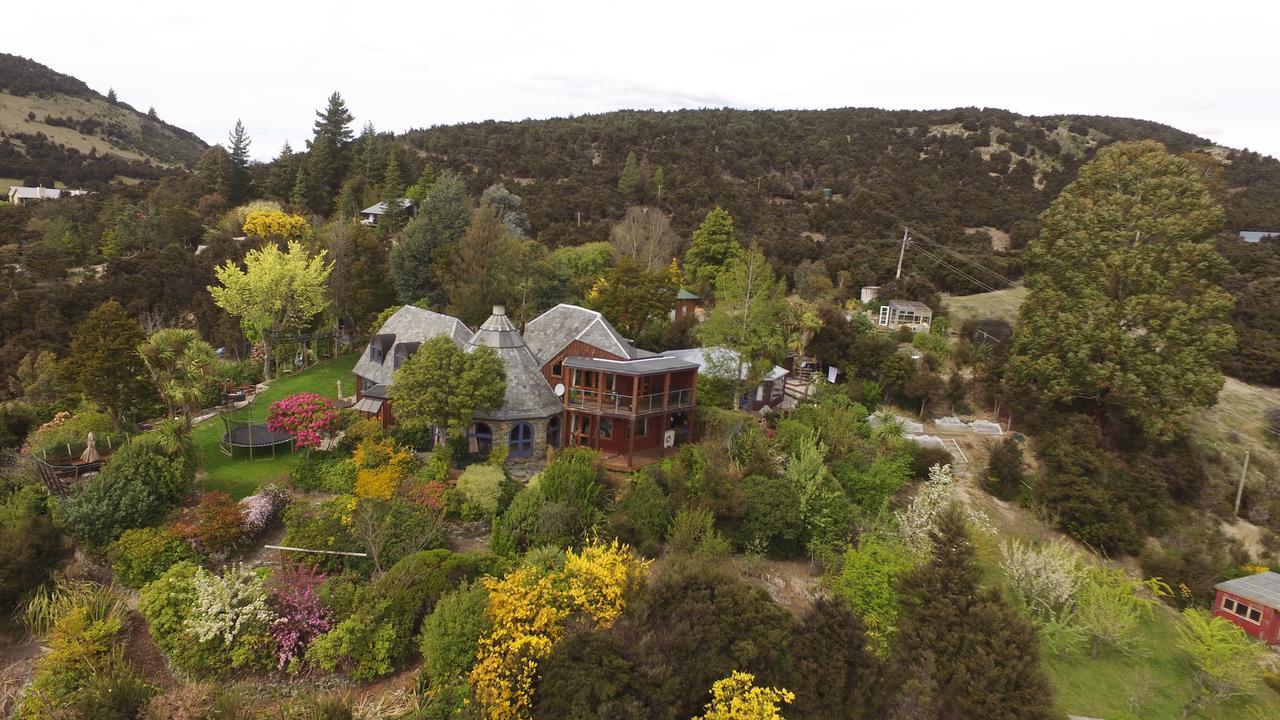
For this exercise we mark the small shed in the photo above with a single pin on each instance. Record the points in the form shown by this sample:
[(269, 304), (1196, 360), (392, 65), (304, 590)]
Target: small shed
[(686, 304), (1253, 603), (372, 214), (896, 313)]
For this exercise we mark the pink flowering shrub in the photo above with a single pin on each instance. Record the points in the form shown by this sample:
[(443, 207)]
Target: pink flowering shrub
[(300, 614), (258, 511), (308, 417)]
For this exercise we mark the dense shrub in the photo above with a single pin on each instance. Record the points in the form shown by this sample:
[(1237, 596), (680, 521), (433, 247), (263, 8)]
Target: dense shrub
[(144, 554), (260, 510), (575, 478), (29, 544), (481, 486), (324, 472), (694, 625), (588, 675), (1004, 470), (381, 465), (323, 526), (642, 516), (867, 585), (378, 635), (215, 526), (774, 522), (870, 488), (516, 530), (137, 486), (210, 625), (693, 531), (1193, 557), (829, 667), (300, 614), (68, 429), (451, 632), (924, 457)]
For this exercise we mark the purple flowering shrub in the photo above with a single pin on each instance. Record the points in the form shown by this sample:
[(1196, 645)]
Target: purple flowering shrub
[(258, 511), (301, 616), (308, 417)]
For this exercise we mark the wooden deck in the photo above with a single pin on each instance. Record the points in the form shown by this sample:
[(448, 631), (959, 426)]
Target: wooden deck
[(640, 458)]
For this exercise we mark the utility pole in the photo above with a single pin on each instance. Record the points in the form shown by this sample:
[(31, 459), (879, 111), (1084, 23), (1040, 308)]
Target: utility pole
[(906, 233), (1240, 489)]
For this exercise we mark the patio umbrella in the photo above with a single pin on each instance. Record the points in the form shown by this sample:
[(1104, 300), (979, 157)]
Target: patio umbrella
[(90, 454)]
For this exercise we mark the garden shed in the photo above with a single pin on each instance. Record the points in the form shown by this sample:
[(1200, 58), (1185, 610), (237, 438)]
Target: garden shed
[(1253, 603)]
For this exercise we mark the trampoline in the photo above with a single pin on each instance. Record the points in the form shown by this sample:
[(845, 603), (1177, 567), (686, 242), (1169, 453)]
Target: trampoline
[(242, 430)]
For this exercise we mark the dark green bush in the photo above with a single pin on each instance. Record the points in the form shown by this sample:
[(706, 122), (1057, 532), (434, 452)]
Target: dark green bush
[(1004, 476), (144, 554), (642, 515), (451, 633), (774, 522), (324, 472)]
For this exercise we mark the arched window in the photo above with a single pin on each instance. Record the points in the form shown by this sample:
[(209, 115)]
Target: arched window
[(553, 432), (479, 439), (520, 444)]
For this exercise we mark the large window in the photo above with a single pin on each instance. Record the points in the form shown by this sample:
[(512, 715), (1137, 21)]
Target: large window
[(520, 444), (480, 439)]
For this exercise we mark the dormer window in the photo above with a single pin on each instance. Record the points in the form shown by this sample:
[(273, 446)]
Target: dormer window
[(379, 346), (402, 352)]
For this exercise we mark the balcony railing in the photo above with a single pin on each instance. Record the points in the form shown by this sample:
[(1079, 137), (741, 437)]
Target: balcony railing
[(620, 404)]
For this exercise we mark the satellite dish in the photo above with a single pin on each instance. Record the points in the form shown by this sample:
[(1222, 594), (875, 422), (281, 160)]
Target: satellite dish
[(559, 389)]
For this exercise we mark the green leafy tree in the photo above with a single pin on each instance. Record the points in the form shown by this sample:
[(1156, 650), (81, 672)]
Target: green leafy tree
[(180, 365), (747, 319), (358, 286), (239, 183), (1227, 663), (443, 387), (631, 297), (572, 271), (419, 259), (104, 365), (713, 246), (868, 585), (276, 292), (1125, 310), (329, 152)]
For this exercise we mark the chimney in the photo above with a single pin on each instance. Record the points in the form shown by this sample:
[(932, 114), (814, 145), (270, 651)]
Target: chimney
[(499, 309)]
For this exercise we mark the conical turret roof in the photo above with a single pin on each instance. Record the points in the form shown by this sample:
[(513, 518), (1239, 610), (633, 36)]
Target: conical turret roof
[(528, 395)]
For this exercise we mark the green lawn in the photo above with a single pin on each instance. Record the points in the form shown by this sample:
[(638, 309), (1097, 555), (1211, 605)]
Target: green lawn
[(240, 476), (1152, 687)]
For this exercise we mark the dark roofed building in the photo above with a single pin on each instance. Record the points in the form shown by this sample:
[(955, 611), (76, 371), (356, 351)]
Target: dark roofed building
[(685, 306), (565, 358), (1252, 603), (373, 213)]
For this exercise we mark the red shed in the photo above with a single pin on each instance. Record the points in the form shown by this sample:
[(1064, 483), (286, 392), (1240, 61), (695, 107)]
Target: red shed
[(1253, 603)]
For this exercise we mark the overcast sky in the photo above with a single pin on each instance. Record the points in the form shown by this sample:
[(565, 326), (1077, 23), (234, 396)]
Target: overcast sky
[(1210, 68)]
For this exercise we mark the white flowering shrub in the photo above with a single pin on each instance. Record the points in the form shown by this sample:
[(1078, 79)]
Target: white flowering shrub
[(230, 607), (917, 522), (1044, 578), (260, 510)]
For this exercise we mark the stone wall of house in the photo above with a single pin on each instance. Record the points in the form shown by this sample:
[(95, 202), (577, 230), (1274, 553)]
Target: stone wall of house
[(522, 468)]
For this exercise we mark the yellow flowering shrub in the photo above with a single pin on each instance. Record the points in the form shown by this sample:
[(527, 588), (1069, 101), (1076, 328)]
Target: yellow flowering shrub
[(600, 578), (528, 609), (276, 224), (737, 698), (381, 468)]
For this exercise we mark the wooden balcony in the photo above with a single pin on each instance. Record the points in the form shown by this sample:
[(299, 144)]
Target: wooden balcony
[(613, 403)]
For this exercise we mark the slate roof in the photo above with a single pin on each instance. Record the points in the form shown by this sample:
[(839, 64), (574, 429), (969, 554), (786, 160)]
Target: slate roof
[(381, 207), (1263, 587), (1253, 236), (409, 324), (720, 361), (639, 366), (553, 330), (528, 395)]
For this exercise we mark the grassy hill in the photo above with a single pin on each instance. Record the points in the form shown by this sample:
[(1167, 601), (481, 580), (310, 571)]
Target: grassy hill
[(54, 128)]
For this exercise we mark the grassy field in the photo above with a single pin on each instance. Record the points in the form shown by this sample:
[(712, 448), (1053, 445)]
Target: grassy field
[(1001, 305), (240, 476), (1153, 686)]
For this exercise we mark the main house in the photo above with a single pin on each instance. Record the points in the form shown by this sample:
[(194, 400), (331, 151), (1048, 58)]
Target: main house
[(571, 380)]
